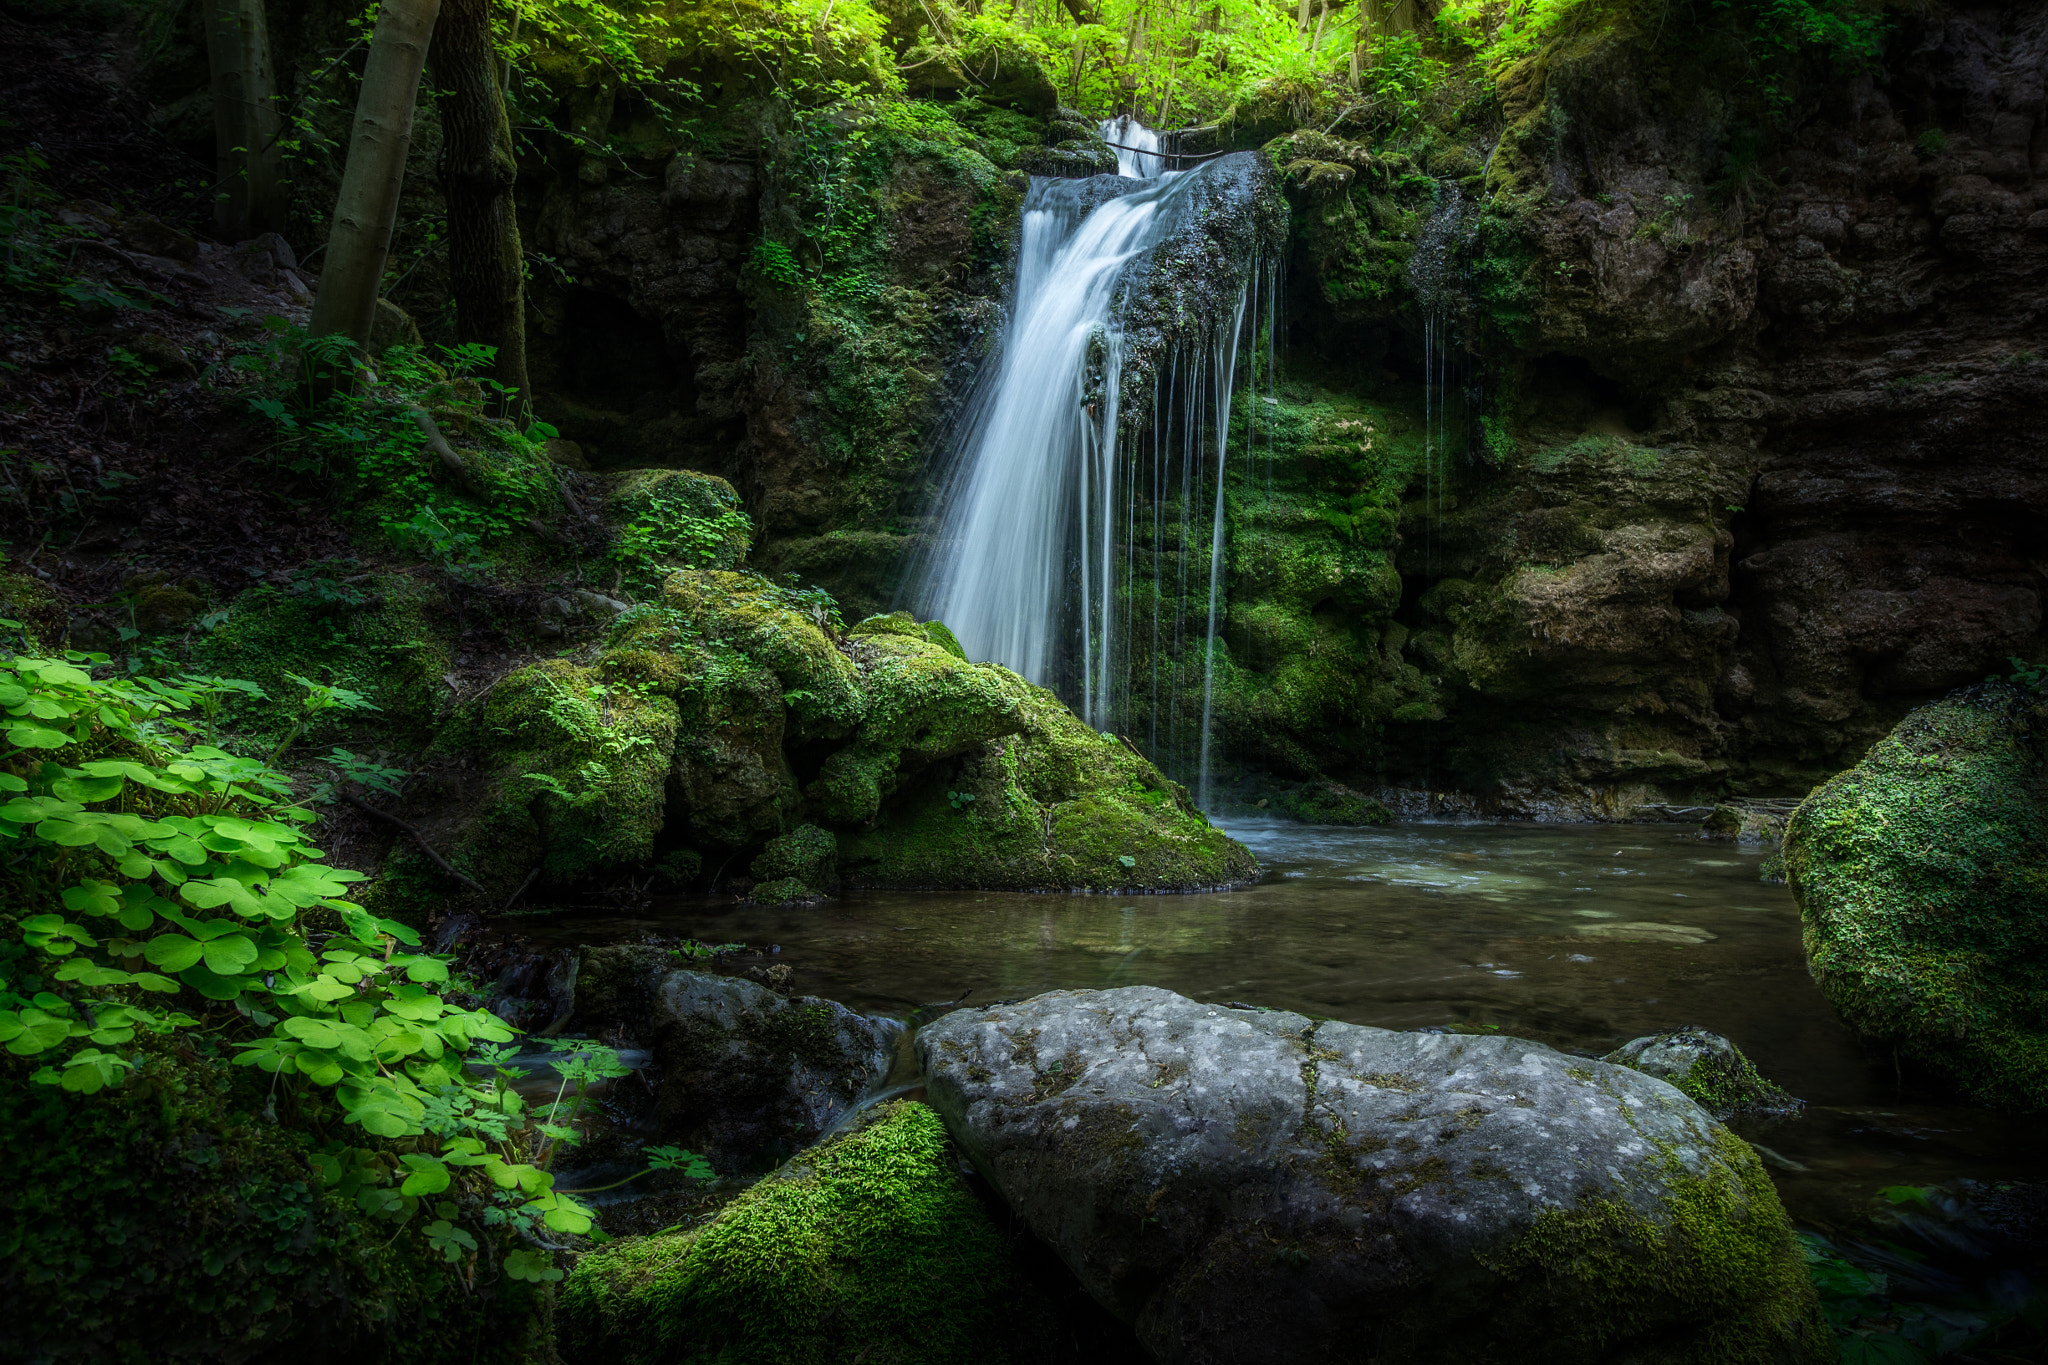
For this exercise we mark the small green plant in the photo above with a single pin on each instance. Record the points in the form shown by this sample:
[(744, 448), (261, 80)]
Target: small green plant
[(959, 800), (1931, 143), (2033, 677), (777, 264)]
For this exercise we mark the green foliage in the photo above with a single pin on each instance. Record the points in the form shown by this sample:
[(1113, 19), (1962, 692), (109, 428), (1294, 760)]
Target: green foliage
[(162, 886), (359, 428)]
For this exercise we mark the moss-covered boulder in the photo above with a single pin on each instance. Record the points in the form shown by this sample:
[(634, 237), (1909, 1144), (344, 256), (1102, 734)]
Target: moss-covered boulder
[(1332, 803), (870, 1247), (1243, 1184), (1708, 1070), (1053, 804), (1922, 878), (800, 865)]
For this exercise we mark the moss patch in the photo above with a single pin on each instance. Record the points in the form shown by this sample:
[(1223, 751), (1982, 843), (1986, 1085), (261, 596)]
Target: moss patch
[(869, 1246), (1922, 879), (1717, 1279)]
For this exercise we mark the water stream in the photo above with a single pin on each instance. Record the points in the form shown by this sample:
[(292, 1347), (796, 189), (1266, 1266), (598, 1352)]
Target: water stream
[(1579, 936)]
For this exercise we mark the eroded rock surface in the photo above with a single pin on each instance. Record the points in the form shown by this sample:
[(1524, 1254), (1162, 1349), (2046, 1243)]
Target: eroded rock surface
[(1248, 1186)]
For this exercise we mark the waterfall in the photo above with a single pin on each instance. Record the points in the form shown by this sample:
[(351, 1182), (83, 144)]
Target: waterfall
[(1121, 343), (1135, 145)]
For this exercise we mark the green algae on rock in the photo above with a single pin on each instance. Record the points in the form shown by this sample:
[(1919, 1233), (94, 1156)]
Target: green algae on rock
[(1707, 1069), (869, 1246), (1922, 878)]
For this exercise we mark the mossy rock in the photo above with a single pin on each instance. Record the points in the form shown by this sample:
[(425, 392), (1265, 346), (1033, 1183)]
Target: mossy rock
[(820, 686), (1052, 805), (680, 515), (1922, 878), (578, 761), (1708, 1070), (1332, 803), (28, 599), (799, 865), (868, 1247)]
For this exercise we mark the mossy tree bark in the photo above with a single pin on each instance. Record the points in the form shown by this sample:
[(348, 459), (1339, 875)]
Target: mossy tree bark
[(485, 262), (360, 239), (248, 199)]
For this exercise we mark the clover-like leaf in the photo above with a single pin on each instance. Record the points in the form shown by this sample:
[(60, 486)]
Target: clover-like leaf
[(172, 952)]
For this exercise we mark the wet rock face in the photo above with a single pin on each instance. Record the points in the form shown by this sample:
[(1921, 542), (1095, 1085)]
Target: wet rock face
[(1919, 874), (1253, 1186), (749, 1076), (1861, 354)]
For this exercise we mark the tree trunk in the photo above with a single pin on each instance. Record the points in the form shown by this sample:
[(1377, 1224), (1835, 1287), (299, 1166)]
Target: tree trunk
[(360, 239), (485, 264), (247, 198)]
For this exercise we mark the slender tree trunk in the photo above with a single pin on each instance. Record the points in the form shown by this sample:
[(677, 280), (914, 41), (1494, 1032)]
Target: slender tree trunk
[(266, 195), (360, 239), (247, 200), (485, 264)]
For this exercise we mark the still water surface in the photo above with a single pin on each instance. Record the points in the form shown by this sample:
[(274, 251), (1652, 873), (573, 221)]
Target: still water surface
[(1580, 936)]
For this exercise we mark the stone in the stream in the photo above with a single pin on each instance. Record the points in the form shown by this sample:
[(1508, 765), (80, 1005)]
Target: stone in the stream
[(1253, 1186), (749, 1076), (1707, 1069), (1922, 880), (870, 1247)]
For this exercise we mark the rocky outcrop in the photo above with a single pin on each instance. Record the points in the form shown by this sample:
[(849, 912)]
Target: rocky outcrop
[(1709, 1070), (1922, 879), (1247, 1185), (737, 717)]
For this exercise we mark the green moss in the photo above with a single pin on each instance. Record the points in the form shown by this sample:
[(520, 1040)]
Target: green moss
[(807, 856), (869, 1246), (1328, 803), (391, 643), (1707, 1069), (1055, 805), (1922, 879), (819, 684), (577, 761), (1713, 1277)]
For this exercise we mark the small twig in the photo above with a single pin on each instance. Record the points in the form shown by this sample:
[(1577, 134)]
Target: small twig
[(133, 263), (514, 900), (418, 838)]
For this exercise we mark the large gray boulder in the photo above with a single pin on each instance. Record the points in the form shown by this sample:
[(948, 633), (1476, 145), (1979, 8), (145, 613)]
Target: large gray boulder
[(1248, 1186)]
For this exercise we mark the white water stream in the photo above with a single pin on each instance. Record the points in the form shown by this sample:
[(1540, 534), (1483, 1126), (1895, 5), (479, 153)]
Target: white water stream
[(1039, 515)]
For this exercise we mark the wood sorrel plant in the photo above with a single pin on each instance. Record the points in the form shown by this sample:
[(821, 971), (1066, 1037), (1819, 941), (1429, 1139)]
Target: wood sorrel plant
[(169, 885)]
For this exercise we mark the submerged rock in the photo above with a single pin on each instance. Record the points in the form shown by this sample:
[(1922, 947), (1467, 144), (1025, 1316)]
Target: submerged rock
[(1708, 1069), (749, 1076), (1256, 1186), (869, 1247), (1922, 877)]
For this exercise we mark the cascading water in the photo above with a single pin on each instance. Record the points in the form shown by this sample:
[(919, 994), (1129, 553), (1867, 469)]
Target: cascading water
[(1037, 564)]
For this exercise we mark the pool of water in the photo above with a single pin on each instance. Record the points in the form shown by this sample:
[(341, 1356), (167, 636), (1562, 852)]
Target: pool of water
[(1581, 936)]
